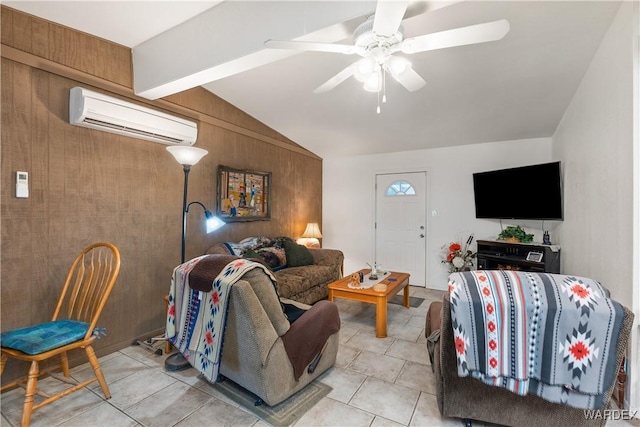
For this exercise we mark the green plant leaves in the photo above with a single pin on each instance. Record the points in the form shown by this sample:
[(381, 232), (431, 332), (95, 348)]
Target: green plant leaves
[(517, 232)]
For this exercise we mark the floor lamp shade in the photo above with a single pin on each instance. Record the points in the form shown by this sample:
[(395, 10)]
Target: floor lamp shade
[(186, 155)]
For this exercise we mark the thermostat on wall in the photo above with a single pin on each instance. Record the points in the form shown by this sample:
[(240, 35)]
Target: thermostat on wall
[(22, 184)]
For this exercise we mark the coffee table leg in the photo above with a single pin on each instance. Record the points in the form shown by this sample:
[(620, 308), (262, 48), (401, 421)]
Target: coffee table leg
[(381, 317), (406, 296), (330, 297)]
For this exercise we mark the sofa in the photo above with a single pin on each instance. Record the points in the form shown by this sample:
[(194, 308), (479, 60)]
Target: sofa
[(302, 273), (470, 399)]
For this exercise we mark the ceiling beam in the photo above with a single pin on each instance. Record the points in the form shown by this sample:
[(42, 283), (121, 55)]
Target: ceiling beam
[(229, 38)]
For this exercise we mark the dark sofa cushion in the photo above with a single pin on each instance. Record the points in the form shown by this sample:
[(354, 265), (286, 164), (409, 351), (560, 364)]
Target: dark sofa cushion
[(297, 255)]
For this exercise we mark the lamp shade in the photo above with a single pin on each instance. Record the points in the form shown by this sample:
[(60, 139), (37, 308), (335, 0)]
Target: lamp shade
[(374, 82), (213, 222), (397, 65), (312, 231), (185, 155)]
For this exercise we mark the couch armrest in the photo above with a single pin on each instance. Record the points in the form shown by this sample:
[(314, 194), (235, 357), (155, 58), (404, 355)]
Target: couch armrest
[(328, 257), (308, 335)]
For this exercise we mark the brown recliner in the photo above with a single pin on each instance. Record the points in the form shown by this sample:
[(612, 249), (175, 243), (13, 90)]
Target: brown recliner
[(258, 337), (471, 399)]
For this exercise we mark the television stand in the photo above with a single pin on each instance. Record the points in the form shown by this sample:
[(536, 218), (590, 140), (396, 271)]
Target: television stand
[(501, 255)]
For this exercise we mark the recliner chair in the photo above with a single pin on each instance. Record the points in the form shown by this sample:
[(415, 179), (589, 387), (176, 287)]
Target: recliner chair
[(258, 335), (471, 399)]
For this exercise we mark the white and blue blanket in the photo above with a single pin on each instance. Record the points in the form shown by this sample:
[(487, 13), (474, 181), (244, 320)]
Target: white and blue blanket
[(550, 335)]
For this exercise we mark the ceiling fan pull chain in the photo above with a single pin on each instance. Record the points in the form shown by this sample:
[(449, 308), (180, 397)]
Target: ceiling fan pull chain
[(384, 86), (378, 109)]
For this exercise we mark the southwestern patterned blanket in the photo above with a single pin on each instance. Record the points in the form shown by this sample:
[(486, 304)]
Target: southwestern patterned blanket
[(550, 335), (196, 319)]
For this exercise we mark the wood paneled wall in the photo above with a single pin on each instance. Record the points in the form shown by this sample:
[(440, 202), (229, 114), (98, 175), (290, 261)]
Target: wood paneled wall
[(87, 185)]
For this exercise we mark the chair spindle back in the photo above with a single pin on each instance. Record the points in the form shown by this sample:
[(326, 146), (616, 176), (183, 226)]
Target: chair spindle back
[(88, 284)]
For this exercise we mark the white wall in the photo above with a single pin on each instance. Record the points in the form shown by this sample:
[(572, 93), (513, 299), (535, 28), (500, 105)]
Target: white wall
[(595, 143), (349, 198)]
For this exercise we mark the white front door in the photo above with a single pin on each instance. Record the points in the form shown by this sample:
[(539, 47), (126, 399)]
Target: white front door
[(401, 227)]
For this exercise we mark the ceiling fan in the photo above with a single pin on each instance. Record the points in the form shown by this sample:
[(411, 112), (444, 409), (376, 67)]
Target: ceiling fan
[(380, 37)]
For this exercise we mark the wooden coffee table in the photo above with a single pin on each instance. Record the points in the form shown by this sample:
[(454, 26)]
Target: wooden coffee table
[(395, 282)]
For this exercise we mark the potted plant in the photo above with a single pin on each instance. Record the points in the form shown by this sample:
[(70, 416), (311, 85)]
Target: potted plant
[(515, 233)]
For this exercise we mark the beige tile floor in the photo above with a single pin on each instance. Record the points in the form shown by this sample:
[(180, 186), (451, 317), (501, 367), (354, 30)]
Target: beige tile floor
[(376, 382)]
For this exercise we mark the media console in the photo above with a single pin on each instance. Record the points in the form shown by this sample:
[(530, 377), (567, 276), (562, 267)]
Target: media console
[(501, 255)]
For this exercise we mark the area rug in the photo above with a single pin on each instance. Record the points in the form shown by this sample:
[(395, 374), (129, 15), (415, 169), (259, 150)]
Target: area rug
[(282, 414), (413, 301)]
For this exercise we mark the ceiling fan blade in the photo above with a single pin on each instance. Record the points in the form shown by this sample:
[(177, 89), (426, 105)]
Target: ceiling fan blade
[(310, 46), (388, 17), (416, 8), (336, 80), (480, 33), (409, 79)]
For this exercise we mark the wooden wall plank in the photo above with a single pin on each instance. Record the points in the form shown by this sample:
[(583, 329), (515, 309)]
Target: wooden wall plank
[(22, 32), (6, 20)]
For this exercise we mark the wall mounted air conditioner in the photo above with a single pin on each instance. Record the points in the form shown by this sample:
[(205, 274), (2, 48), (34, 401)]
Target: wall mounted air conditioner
[(97, 111)]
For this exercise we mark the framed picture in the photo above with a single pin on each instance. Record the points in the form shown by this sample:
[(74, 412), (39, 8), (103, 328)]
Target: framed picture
[(243, 195), (534, 256)]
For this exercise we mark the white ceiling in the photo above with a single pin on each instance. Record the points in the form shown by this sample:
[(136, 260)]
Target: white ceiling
[(514, 88), (128, 23)]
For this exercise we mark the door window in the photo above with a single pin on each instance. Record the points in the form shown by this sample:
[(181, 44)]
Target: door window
[(400, 188)]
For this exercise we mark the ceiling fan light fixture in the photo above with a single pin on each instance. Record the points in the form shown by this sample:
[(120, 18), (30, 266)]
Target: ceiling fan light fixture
[(364, 68), (374, 82), (381, 36), (396, 65)]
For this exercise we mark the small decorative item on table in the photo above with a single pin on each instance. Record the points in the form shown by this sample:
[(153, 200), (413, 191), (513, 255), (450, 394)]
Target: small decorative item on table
[(374, 271), (354, 280), (380, 287)]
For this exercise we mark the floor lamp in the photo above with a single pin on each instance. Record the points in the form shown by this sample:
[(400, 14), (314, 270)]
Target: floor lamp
[(188, 156)]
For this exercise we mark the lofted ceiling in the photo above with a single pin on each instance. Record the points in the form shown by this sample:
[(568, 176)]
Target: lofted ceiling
[(514, 88)]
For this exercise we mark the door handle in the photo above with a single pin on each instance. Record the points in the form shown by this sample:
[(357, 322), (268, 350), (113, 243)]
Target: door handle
[(422, 236)]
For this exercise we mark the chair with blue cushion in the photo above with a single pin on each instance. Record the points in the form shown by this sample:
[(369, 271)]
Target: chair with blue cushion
[(84, 295)]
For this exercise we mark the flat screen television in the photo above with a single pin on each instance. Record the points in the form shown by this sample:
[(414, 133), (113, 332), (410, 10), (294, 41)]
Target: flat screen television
[(528, 192)]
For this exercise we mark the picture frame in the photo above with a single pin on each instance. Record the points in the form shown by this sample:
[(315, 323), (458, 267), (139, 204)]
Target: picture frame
[(534, 256), (243, 195)]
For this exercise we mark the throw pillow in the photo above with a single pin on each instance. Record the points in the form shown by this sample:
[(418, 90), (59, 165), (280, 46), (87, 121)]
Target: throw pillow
[(250, 253), (253, 255), (297, 255), (277, 252), (270, 258)]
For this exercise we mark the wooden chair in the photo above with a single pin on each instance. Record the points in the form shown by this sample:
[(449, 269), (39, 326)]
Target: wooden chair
[(85, 292)]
